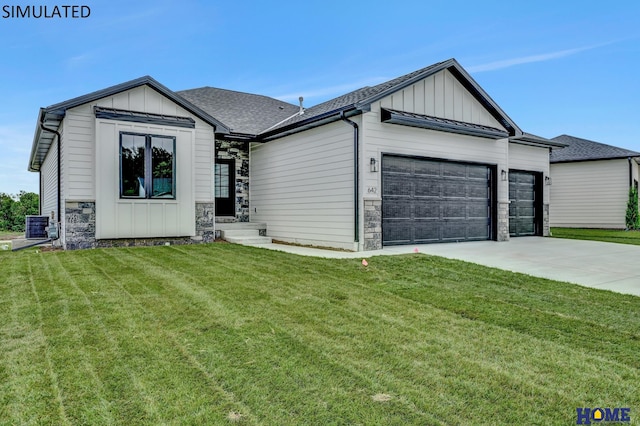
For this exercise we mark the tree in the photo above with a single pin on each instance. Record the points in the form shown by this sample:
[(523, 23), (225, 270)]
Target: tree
[(632, 218), (13, 210)]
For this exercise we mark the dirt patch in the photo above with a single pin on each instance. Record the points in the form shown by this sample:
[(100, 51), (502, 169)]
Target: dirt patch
[(234, 417), (381, 397)]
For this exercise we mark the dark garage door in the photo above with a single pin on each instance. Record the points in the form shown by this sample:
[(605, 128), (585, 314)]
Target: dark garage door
[(524, 203), (429, 201)]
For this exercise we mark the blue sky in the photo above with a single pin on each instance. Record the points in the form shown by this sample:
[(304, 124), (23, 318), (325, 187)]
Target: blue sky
[(553, 66)]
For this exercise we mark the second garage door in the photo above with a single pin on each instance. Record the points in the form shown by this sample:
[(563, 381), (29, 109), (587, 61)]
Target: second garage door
[(428, 201), (525, 199)]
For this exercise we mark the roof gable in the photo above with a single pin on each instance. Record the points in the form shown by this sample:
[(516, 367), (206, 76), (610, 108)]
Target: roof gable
[(361, 99), (578, 149), (50, 118)]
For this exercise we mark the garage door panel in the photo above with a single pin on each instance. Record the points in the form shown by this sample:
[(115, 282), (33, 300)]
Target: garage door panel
[(426, 167), (454, 170), (427, 186), (397, 209), (426, 201), (426, 210), (478, 190), (397, 185), (426, 231), (454, 189), (395, 164), (397, 232), (523, 203)]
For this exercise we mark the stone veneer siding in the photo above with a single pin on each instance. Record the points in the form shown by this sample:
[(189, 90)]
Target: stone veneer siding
[(372, 224), (240, 152), (503, 221), (546, 230), (80, 225), (80, 228), (205, 221)]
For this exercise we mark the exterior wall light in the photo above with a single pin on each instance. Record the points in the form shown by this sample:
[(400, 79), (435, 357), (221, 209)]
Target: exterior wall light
[(373, 164), (503, 174), (547, 180)]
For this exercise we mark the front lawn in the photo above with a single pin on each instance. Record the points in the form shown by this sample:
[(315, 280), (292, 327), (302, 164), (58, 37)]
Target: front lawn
[(607, 235), (225, 334)]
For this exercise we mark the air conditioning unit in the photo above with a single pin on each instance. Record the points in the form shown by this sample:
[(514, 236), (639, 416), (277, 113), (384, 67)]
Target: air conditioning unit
[(36, 227)]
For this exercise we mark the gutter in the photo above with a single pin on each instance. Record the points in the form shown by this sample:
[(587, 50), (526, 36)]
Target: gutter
[(356, 195), (54, 131)]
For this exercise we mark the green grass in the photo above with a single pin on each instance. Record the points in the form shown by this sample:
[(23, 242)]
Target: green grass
[(224, 334), (607, 235)]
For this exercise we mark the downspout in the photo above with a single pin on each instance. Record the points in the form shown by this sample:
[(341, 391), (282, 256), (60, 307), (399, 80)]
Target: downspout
[(630, 172), (356, 192), (46, 129)]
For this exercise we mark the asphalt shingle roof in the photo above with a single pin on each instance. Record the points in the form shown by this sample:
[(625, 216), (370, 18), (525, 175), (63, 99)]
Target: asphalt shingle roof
[(241, 112), (579, 149)]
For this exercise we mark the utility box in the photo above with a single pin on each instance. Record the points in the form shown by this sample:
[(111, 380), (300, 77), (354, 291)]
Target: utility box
[(36, 227), (52, 230)]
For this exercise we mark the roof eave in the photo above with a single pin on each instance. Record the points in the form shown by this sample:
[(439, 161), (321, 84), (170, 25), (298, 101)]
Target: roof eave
[(316, 121), (584, 160), (532, 140)]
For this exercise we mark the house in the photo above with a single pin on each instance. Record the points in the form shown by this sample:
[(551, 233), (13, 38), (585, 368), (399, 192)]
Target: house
[(590, 183), (426, 157)]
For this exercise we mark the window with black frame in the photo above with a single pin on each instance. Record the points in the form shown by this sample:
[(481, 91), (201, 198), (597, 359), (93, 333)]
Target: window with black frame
[(147, 166)]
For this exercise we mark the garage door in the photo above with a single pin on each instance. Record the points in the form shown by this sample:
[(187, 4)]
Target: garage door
[(429, 201), (523, 203)]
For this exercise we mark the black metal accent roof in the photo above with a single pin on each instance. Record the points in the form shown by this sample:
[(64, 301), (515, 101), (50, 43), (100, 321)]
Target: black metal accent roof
[(144, 117), (578, 149), (442, 124)]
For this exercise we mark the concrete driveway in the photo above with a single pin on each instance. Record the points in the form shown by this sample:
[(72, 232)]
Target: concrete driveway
[(608, 266)]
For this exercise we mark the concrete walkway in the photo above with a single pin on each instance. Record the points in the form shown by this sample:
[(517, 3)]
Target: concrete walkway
[(608, 266)]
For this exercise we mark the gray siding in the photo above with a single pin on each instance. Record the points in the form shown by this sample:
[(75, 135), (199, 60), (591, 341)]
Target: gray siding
[(302, 186), (49, 176), (590, 194)]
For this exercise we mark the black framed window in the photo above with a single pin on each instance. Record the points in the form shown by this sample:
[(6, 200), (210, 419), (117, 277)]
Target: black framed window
[(147, 166)]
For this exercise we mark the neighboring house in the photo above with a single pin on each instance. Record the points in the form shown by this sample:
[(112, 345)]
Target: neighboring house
[(590, 183), (426, 157)]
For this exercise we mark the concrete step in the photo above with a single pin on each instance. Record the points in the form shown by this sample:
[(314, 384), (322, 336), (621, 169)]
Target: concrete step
[(248, 240), (224, 226), (244, 236)]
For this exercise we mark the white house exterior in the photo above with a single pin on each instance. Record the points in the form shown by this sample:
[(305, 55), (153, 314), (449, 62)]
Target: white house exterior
[(427, 157), (591, 183)]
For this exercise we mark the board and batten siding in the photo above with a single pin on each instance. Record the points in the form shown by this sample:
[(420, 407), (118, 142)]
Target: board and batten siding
[(441, 95), (301, 186), (79, 142), (49, 177), (142, 218), (589, 194)]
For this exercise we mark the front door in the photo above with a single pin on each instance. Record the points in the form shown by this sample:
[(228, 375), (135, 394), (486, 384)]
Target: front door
[(225, 182)]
